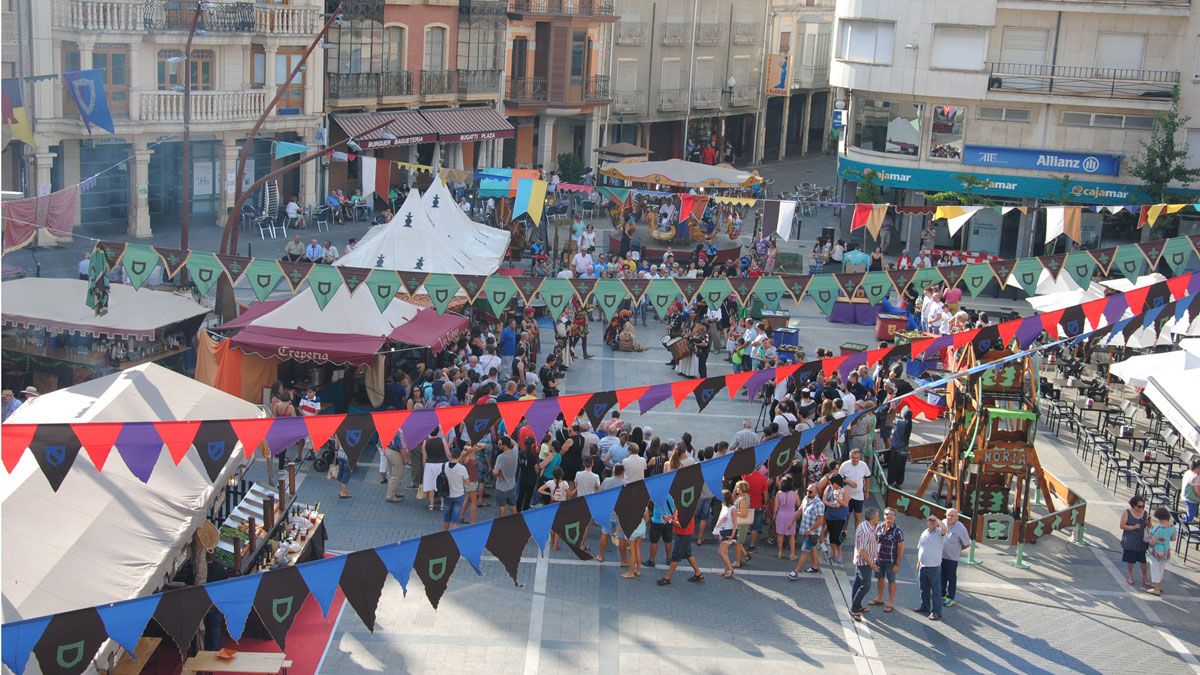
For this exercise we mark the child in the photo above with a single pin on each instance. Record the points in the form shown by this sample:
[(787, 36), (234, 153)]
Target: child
[(1161, 534)]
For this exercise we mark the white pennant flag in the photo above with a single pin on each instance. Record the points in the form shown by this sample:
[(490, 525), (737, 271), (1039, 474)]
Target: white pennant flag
[(368, 175), (1055, 222), (955, 224), (787, 212)]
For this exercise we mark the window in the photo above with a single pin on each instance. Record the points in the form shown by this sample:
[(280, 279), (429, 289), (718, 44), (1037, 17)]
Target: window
[(708, 11), (958, 47), (705, 72), (866, 41), (1107, 120), (1118, 53), (1025, 46), (1005, 114), (678, 11), (170, 73), (520, 54), (946, 135), (1193, 148), (671, 72), (785, 41), (393, 49), (359, 49), (292, 100), (627, 75), (258, 67), (435, 48), (741, 69), (743, 12), (114, 63), (893, 127), (578, 54)]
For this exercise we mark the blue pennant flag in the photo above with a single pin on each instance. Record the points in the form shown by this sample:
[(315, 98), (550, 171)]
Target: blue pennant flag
[(19, 640), (234, 598), (322, 577), (398, 559), (602, 503), (539, 520), (763, 450), (87, 89), (471, 540), (126, 621), (659, 486), (284, 149), (714, 472)]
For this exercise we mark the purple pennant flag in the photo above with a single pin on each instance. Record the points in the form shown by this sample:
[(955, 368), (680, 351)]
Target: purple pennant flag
[(140, 445), (284, 432), (417, 426), (940, 343), (854, 360), (541, 415), (653, 396), (1028, 331), (756, 381), (1115, 308), (1193, 285)]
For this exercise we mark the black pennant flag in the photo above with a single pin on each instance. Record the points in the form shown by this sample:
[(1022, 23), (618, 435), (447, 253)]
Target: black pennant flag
[(480, 421), (987, 339), (686, 488), (437, 556), (826, 436), (631, 505), (355, 433), (70, 642), (570, 522), (599, 404), (741, 464), (180, 612), (362, 583), (708, 390), (215, 442), (781, 457), (281, 593), (507, 542), (55, 448), (1073, 321)]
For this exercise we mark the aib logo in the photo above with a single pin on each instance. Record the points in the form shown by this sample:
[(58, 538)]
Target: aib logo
[(281, 609), (706, 394), (875, 290), (771, 297), (385, 291), (437, 568), (69, 655), (408, 219), (56, 454), (500, 297), (687, 496), (983, 346), (611, 299), (353, 436), (1083, 270), (204, 275), (784, 458), (136, 267), (262, 280), (324, 287), (825, 296), (598, 409), (1073, 327), (216, 450), (571, 532), (441, 295), (481, 425), (1029, 278)]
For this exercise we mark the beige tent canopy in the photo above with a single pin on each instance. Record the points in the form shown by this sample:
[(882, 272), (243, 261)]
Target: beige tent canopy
[(680, 173), (60, 304), (621, 152)]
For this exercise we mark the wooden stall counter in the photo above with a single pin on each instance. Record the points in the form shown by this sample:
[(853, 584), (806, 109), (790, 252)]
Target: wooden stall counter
[(241, 662)]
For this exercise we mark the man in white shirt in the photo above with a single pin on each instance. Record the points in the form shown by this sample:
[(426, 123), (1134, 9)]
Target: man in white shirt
[(858, 480), (582, 263), (929, 567), (745, 437), (957, 538), (635, 464), (314, 252), (457, 477)]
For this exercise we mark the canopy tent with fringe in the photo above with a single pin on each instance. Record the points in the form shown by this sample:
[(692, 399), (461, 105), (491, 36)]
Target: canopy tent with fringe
[(681, 173)]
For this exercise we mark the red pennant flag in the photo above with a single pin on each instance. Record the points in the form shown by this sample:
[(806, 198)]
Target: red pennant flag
[(252, 432), (918, 347), (628, 395), (874, 355), (1008, 331), (388, 423), (830, 365), (964, 337), (862, 213), (14, 439), (571, 405), (321, 427), (178, 437), (1136, 298), (920, 407), (97, 439), (512, 412), (784, 372), (735, 381), (1178, 286), (451, 416), (1050, 322), (682, 390), (1094, 311)]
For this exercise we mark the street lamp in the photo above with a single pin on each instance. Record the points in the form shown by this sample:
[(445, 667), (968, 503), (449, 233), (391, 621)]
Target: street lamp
[(185, 220)]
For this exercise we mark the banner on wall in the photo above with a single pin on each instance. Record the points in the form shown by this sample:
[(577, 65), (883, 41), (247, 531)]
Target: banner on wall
[(778, 67)]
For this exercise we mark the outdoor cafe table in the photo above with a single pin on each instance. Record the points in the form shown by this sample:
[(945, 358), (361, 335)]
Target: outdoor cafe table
[(1103, 412)]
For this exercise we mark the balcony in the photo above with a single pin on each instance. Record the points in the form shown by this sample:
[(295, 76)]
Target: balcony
[(437, 82), (710, 34), (811, 77), (139, 16), (1141, 7), (1022, 78), (629, 102), (675, 33), (672, 100), (706, 98), (207, 106), (746, 33), (743, 95), (284, 20), (527, 89), (521, 9), (369, 85), (595, 88), (482, 8), (479, 82), (395, 84), (631, 33)]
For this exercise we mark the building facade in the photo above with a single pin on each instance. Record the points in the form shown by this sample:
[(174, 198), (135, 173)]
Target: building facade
[(798, 122), (556, 88), (241, 52), (1042, 100), (687, 70)]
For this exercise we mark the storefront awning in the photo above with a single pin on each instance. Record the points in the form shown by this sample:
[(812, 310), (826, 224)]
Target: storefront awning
[(406, 126), (461, 125)]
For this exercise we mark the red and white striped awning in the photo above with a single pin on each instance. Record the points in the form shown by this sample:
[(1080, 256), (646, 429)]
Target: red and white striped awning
[(461, 125), (407, 127)]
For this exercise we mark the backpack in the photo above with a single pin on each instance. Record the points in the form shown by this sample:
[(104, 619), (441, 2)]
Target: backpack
[(442, 484)]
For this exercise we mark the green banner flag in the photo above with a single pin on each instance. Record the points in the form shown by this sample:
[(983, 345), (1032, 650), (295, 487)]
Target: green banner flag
[(823, 289), (661, 293), (609, 294), (139, 262), (557, 294), (1027, 271), (441, 289), (1081, 266), (1178, 253), (714, 290), (976, 277), (204, 270), (926, 277), (876, 286), (383, 286), (98, 292), (324, 280), (770, 291), (1128, 261), (263, 275), (498, 291)]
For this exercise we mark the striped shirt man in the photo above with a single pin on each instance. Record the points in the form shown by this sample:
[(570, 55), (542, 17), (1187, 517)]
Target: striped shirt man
[(865, 541)]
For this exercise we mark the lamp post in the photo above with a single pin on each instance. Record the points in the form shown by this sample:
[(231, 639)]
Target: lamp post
[(728, 92), (185, 219)]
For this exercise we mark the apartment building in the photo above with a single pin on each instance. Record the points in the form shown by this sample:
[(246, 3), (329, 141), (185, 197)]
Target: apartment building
[(1017, 92), (687, 69), (429, 69), (556, 87), (798, 121), (241, 51)]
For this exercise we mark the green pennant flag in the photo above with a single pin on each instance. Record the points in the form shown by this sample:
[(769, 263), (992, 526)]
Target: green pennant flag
[(661, 293), (823, 289), (926, 277), (976, 277), (98, 292), (557, 294), (876, 286), (264, 275), (770, 291), (609, 294), (139, 262), (1129, 261), (441, 289), (1178, 253), (1081, 266), (383, 286), (1027, 271), (714, 290), (205, 270), (498, 291), (324, 280)]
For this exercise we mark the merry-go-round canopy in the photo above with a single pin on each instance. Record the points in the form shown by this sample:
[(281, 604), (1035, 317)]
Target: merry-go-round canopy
[(681, 173)]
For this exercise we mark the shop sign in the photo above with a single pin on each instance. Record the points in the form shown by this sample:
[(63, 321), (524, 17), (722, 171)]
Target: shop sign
[(1042, 160)]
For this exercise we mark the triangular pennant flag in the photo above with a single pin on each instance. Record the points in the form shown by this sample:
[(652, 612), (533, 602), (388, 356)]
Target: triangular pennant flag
[(848, 282), (714, 290), (529, 287), (139, 447), (634, 289), (511, 413), (180, 612), (507, 540), (781, 457), (919, 347), (177, 436), (1152, 250), (658, 487), (383, 286), (1094, 312), (1050, 321), (139, 262), (470, 540), (1072, 321), (173, 259), (97, 439), (763, 450), (976, 277), (661, 293), (321, 427), (1080, 265), (263, 275), (876, 286), (441, 289), (743, 287), (770, 291), (1135, 298), (280, 595), (471, 284), (707, 390), (952, 274), (901, 279), (113, 250), (735, 381), (924, 278), (823, 289), (629, 395), (362, 584), (686, 489), (830, 364), (1129, 261), (609, 294), (631, 506), (69, 642), (355, 435), (353, 277), (498, 292), (251, 432), (480, 420), (757, 379), (583, 287), (714, 471), (597, 406), (570, 406), (324, 281), (388, 423), (557, 294), (322, 577), (688, 288), (125, 621), (15, 441), (1026, 272), (1179, 286), (412, 281), (451, 416), (985, 340), (204, 270), (1103, 258), (539, 522), (741, 463), (55, 448), (295, 272), (1179, 254), (541, 415), (234, 265), (682, 389), (214, 441), (964, 337), (657, 393), (19, 637), (570, 523), (796, 284), (398, 560), (602, 503), (1053, 263), (437, 556), (1029, 330)]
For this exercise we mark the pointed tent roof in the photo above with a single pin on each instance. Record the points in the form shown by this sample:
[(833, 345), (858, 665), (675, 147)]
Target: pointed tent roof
[(479, 240)]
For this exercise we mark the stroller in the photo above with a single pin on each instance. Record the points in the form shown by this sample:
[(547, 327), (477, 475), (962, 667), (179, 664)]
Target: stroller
[(324, 457)]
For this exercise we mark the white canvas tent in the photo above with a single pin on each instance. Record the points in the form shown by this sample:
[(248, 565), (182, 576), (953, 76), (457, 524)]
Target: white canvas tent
[(1137, 370), (1178, 399), (346, 313), (59, 303), (106, 535), (479, 240)]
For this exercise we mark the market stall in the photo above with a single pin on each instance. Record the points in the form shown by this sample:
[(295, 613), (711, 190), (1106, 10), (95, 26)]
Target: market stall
[(681, 173), (620, 152), (480, 240), (52, 338)]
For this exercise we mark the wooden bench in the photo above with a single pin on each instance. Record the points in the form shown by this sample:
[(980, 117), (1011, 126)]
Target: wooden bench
[(242, 662)]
